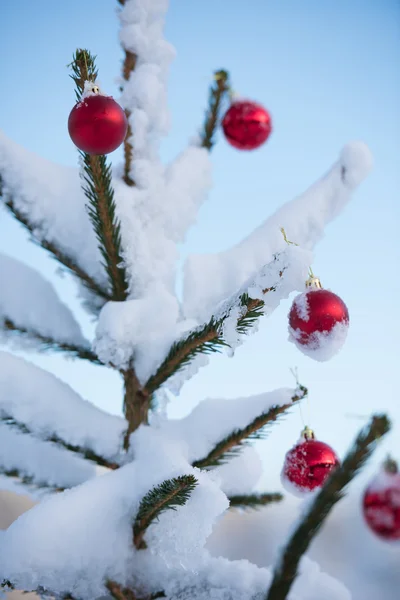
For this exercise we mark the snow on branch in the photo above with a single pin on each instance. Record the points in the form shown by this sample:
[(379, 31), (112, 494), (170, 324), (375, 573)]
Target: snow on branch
[(144, 93), (31, 311), (47, 199), (40, 463), (286, 569), (217, 427), (304, 220), (103, 510), (235, 317), (168, 495), (255, 429), (51, 410)]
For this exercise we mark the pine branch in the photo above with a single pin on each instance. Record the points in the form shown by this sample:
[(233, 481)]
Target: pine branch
[(29, 480), (233, 443), (83, 68), (217, 92), (170, 494), (286, 570), (99, 192), (206, 340), (49, 344), (101, 209), (86, 453), (55, 252), (253, 501)]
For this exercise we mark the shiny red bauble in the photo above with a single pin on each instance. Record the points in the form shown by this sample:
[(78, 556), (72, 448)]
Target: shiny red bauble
[(307, 465), (246, 125), (97, 124), (381, 505), (313, 316)]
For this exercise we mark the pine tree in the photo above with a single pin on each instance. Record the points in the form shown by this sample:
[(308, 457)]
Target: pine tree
[(138, 531)]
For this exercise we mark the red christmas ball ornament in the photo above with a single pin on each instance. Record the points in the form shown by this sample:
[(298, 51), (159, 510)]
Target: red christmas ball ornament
[(308, 464), (381, 503), (246, 125), (318, 321), (97, 124)]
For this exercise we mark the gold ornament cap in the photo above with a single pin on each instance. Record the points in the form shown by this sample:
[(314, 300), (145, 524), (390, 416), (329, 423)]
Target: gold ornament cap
[(307, 433), (313, 283)]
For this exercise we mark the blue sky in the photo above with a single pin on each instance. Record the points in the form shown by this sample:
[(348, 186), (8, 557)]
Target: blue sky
[(328, 72)]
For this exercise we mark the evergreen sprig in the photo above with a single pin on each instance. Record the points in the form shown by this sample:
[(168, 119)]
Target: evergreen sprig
[(205, 340), (168, 495), (218, 91), (67, 262), (97, 178), (46, 343), (256, 429), (286, 570), (253, 501), (86, 453), (102, 213), (83, 68)]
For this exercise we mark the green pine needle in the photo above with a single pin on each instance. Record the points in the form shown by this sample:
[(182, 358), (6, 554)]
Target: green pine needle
[(97, 179), (168, 495), (83, 69), (53, 438), (205, 340), (218, 91), (253, 501), (46, 343), (256, 429)]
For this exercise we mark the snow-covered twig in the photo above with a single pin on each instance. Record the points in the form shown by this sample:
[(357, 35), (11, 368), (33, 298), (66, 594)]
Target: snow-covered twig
[(45, 343), (39, 462), (31, 310), (304, 219), (210, 337), (51, 247), (168, 495), (83, 452), (232, 443), (53, 410), (286, 570)]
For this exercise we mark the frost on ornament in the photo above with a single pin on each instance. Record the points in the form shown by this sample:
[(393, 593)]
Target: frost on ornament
[(307, 465), (318, 323)]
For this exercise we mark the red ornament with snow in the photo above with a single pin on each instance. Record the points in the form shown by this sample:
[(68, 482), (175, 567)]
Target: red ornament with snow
[(97, 124), (246, 125), (308, 464), (318, 321), (381, 503)]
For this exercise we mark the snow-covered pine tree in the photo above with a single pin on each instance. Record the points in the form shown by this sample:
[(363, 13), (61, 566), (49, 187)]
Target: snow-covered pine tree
[(112, 535)]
